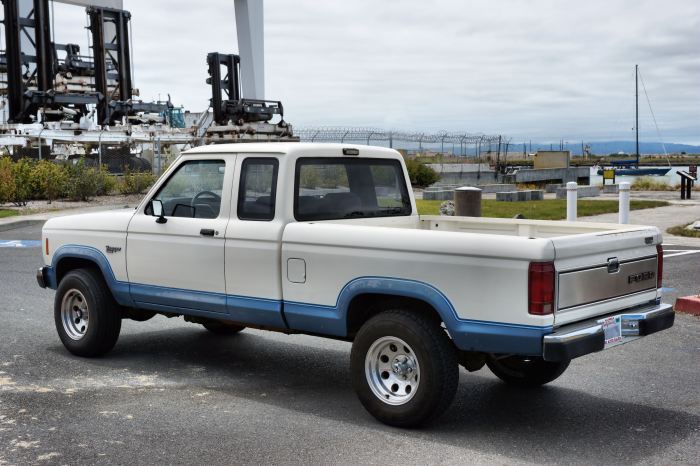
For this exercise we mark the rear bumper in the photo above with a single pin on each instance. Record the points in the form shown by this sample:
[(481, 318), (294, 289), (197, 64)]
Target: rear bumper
[(572, 341)]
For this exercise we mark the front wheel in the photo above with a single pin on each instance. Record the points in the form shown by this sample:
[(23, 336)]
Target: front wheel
[(87, 318), (404, 368), (524, 371)]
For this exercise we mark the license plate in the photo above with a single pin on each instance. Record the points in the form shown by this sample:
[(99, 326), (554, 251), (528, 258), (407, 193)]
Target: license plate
[(612, 327)]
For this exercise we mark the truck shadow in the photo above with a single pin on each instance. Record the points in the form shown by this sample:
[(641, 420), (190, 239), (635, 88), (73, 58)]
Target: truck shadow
[(550, 424)]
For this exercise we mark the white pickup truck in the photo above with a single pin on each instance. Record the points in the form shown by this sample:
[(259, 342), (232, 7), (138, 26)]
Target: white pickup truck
[(325, 239)]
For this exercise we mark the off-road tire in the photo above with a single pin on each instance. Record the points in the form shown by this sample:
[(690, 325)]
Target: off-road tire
[(104, 315), (436, 359), (218, 328), (521, 371)]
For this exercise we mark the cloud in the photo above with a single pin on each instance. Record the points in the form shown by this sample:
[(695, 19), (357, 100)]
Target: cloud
[(537, 69)]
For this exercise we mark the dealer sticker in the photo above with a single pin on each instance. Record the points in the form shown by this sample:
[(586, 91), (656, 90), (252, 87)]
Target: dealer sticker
[(612, 327)]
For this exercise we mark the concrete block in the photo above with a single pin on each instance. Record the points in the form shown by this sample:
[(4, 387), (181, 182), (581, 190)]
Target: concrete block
[(689, 305), (497, 188), (583, 191), (441, 195), (552, 188), (523, 196), (536, 195), (508, 196), (611, 189)]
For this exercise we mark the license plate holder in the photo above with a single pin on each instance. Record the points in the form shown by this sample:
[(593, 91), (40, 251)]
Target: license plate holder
[(612, 328)]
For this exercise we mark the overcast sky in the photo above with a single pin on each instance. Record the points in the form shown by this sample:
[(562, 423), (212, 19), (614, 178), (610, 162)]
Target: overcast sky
[(535, 69)]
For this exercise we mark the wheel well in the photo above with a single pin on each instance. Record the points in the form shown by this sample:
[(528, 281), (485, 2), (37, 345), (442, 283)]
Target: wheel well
[(71, 263), (365, 306)]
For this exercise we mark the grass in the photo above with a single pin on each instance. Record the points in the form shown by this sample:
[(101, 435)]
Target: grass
[(8, 213), (548, 209), (681, 230), (647, 183)]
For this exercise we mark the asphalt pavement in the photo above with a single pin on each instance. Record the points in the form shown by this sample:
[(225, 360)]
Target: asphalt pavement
[(170, 392)]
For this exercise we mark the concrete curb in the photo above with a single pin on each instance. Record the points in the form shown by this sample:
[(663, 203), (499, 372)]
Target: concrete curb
[(688, 305), (7, 226)]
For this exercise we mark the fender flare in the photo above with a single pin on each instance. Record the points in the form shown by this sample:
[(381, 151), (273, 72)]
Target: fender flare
[(119, 289)]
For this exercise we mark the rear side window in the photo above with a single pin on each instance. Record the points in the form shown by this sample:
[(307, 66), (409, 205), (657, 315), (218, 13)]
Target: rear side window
[(337, 188), (258, 189)]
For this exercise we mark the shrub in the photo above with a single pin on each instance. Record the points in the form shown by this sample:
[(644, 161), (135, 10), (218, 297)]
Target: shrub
[(82, 182), (421, 175), (106, 183), (49, 180), (136, 182), (25, 188), (7, 181), (647, 183)]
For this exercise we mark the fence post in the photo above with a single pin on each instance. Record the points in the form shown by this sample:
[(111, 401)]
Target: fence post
[(624, 202), (571, 201)]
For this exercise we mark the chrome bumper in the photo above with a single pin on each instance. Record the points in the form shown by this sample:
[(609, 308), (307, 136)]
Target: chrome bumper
[(41, 278), (572, 341)]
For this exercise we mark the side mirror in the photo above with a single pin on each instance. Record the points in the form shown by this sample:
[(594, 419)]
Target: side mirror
[(157, 211)]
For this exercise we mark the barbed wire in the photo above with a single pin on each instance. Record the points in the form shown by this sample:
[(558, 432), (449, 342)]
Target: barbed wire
[(369, 135)]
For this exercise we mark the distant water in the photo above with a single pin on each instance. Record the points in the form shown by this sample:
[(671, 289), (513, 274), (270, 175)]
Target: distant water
[(671, 178)]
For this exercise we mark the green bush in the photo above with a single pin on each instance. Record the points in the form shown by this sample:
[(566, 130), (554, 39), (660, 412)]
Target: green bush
[(106, 183), (7, 180), (25, 187), (82, 183), (49, 180), (421, 175), (136, 182)]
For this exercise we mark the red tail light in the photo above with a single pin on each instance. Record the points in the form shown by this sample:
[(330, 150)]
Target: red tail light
[(541, 288), (659, 265)]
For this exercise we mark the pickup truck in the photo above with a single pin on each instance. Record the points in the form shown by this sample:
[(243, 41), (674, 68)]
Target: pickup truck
[(325, 240)]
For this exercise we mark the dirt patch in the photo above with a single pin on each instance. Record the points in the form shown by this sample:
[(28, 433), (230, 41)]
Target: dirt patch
[(38, 207)]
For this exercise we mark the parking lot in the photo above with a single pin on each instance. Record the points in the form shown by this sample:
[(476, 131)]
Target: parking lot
[(170, 392)]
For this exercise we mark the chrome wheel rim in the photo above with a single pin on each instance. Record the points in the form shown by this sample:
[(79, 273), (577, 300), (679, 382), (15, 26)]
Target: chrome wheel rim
[(75, 314), (392, 370)]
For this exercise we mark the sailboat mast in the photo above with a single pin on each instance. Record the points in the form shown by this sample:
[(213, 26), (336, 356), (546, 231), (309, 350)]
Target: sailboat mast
[(636, 109)]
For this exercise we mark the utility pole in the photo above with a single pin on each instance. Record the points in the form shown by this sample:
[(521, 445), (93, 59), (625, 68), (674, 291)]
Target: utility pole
[(636, 109)]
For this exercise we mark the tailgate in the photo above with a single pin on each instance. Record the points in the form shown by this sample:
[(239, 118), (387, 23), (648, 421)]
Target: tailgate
[(600, 273)]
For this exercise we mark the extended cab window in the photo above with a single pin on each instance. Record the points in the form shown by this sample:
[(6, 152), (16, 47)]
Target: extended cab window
[(336, 188), (258, 189), (194, 190)]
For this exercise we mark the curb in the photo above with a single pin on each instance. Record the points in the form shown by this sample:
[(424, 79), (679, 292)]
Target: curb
[(688, 305), (20, 224)]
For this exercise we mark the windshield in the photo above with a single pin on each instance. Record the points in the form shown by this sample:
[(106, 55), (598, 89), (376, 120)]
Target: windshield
[(337, 188)]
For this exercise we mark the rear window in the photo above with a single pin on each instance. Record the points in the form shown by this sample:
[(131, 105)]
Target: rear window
[(337, 188)]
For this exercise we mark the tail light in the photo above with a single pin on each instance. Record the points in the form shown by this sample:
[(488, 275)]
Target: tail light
[(541, 288), (659, 265)]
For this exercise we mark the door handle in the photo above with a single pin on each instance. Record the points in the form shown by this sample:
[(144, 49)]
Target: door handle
[(206, 232)]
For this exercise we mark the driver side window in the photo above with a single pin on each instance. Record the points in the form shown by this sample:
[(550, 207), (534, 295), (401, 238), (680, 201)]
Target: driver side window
[(194, 190)]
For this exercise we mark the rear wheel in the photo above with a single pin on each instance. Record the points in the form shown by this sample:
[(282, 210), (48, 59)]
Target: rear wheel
[(524, 371), (87, 318), (219, 328), (404, 368)]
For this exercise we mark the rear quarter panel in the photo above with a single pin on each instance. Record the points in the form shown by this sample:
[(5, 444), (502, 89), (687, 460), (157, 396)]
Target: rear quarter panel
[(484, 277)]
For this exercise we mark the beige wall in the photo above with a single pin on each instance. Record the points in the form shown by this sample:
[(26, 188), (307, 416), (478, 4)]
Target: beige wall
[(552, 159)]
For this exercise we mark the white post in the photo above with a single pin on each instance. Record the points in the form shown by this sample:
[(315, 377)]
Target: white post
[(251, 47), (624, 202), (571, 201)]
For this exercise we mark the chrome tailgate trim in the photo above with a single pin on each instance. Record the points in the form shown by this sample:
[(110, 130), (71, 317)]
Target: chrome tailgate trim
[(601, 283)]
